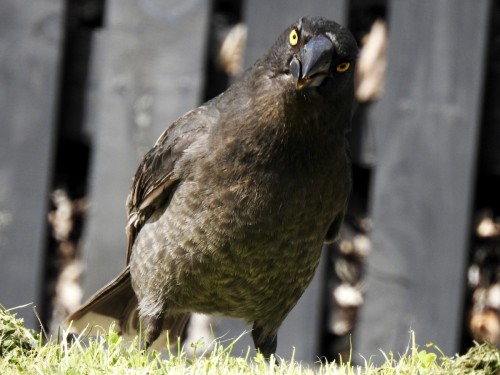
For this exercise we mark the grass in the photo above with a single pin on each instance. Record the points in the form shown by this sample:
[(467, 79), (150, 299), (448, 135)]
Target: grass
[(24, 351)]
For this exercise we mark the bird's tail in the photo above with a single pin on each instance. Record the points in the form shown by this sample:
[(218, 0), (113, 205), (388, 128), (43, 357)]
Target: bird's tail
[(116, 304)]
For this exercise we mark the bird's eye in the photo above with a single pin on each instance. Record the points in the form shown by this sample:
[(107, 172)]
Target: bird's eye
[(342, 67), (293, 38)]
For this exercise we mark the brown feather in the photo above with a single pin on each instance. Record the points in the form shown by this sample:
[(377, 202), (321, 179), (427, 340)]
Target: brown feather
[(228, 210), (154, 179)]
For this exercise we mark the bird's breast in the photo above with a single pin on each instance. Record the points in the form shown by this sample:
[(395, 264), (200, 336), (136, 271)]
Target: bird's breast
[(243, 232)]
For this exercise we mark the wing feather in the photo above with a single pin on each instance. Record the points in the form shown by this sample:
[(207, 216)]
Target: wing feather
[(156, 177)]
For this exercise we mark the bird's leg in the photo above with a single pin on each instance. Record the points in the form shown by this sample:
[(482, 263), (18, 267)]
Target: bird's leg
[(151, 329), (264, 342)]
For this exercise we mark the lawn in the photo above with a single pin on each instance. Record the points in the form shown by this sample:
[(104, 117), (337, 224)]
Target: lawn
[(25, 351)]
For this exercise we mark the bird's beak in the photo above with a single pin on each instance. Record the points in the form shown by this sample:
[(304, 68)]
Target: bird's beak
[(312, 63)]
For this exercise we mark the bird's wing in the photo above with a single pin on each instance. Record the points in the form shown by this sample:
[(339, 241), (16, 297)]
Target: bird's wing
[(154, 180), (333, 232), (157, 176)]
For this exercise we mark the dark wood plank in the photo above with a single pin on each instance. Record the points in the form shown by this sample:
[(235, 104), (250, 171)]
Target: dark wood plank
[(146, 72), (427, 128), (30, 44)]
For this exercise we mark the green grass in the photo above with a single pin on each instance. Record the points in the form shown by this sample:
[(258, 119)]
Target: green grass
[(24, 351)]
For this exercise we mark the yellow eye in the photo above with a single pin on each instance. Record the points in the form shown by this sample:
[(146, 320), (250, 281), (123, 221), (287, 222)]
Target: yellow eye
[(293, 38), (342, 67)]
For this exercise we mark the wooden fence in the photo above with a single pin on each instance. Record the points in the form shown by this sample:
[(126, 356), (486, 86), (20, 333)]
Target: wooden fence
[(87, 86)]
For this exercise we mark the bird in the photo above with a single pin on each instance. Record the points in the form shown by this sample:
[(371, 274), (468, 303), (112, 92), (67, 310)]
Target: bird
[(229, 210)]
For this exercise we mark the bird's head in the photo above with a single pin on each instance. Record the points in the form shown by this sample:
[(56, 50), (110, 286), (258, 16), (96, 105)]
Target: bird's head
[(315, 54)]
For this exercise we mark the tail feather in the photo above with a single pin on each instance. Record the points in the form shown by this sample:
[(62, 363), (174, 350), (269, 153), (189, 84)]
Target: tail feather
[(116, 304)]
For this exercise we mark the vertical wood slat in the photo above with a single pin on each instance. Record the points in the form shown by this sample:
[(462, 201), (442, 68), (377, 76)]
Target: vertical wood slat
[(300, 333), (146, 72), (30, 46), (427, 129)]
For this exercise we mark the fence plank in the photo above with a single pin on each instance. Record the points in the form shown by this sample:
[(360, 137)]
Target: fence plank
[(147, 71), (427, 129), (30, 43)]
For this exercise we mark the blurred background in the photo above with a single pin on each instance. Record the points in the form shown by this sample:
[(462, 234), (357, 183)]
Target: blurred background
[(86, 87)]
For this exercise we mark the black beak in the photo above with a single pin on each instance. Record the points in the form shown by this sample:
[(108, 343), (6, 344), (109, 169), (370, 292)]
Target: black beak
[(312, 64)]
